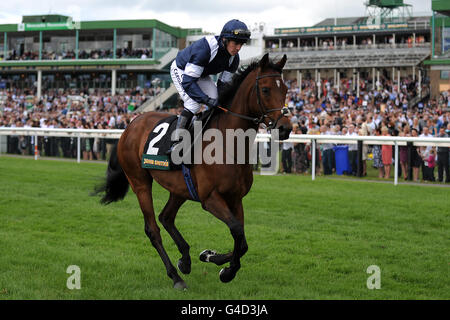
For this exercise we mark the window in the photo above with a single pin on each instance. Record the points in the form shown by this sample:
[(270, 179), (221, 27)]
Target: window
[(445, 39)]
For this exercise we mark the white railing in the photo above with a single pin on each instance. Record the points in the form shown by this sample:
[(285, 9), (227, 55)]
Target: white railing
[(294, 138), (68, 133), (367, 140), (82, 133)]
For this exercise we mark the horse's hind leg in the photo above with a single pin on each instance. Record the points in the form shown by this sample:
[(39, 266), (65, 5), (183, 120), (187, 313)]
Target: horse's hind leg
[(144, 195), (167, 218)]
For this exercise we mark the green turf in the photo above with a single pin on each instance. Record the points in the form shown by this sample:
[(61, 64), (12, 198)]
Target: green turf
[(307, 239)]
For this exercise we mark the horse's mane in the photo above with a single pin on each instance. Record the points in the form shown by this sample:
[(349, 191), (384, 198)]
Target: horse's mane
[(227, 93)]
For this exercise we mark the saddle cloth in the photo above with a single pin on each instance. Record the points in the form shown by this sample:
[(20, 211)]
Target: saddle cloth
[(159, 142)]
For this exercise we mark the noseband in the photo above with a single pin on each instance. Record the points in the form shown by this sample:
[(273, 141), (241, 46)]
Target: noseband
[(264, 112)]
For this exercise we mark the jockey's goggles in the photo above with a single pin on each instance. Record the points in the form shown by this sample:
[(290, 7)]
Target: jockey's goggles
[(241, 33), (238, 35)]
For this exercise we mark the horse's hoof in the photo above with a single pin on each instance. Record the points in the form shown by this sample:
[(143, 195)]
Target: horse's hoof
[(180, 285), (206, 254), (226, 275), (184, 267)]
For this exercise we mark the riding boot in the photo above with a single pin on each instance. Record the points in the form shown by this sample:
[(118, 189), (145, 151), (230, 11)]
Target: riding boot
[(183, 121)]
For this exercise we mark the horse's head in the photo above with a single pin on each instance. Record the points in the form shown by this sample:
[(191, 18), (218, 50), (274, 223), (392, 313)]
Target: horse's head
[(270, 92)]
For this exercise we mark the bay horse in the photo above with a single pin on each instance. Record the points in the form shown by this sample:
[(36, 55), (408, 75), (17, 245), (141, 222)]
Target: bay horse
[(220, 187)]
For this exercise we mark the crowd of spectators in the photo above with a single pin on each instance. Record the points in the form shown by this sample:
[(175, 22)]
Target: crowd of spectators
[(336, 109), (318, 108), (124, 53), (68, 109)]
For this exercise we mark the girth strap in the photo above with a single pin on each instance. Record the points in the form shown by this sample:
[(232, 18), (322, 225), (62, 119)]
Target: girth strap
[(189, 183)]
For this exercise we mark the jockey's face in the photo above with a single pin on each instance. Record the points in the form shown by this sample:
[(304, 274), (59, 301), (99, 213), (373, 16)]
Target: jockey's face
[(233, 47)]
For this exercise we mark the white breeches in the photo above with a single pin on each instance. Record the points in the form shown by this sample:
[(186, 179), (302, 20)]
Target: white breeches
[(206, 84)]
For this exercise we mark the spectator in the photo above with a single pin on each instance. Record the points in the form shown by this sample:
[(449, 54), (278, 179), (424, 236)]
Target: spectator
[(365, 131), (86, 146), (300, 161), (352, 150), (377, 159), (97, 148), (403, 155), (425, 151), (443, 158), (386, 154), (428, 157), (109, 145), (286, 157), (327, 152), (23, 145), (416, 159)]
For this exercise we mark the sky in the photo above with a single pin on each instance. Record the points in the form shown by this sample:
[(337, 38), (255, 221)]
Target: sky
[(208, 15)]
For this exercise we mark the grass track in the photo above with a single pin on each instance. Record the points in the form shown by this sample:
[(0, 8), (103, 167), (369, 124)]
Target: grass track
[(307, 239)]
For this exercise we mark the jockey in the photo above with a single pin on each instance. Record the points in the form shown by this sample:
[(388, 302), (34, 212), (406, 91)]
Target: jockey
[(191, 70)]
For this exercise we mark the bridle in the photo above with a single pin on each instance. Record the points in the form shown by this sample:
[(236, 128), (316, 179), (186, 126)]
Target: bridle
[(264, 112)]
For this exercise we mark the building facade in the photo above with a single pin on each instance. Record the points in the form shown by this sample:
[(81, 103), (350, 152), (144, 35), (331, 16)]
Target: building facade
[(353, 48), (439, 63), (55, 52)]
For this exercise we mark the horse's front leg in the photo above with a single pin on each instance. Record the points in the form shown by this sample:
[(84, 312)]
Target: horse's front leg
[(221, 258), (219, 208), (214, 257)]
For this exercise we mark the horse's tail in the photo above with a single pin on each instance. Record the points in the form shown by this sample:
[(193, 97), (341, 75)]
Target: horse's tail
[(116, 184)]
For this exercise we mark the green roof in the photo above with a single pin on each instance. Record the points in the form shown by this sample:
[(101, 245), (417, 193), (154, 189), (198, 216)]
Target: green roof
[(434, 62), (387, 3), (440, 5), (8, 27), (114, 24)]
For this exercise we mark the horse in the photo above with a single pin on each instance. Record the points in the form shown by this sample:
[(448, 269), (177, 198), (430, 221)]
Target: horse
[(220, 187)]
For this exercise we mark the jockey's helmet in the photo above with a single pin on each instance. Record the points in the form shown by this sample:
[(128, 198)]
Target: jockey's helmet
[(235, 30)]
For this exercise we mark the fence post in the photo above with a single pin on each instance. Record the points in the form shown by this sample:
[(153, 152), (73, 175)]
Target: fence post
[(36, 151), (410, 170), (313, 159), (359, 162), (396, 164), (78, 148)]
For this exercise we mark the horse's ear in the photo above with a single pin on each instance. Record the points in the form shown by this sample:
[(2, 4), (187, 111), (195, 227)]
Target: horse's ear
[(264, 61), (282, 62)]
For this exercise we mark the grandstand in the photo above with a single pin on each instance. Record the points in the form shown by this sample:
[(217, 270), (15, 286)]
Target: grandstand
[(391, 45), (53, 52)]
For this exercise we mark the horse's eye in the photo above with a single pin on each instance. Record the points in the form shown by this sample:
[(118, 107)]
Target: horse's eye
[(266, 91)]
